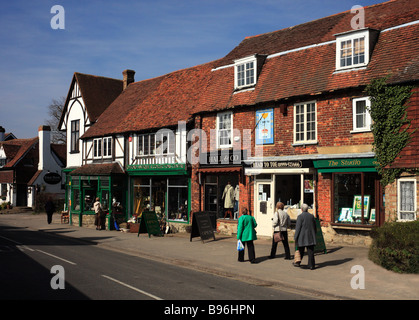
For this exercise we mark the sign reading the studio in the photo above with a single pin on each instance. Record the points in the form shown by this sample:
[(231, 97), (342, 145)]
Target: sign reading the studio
[(223, 157), (52, 178)]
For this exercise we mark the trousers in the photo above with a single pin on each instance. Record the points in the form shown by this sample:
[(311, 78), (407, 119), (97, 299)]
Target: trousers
[(250, 251), (284, 242), (310, 254)]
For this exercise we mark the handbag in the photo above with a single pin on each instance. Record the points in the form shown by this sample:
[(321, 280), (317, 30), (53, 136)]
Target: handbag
[(278, 237), (240, 246)]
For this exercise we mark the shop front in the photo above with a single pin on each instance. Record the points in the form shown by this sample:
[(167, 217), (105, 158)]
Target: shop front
[(223, 190), (291, 182), (356, 195), (162, 188), (104, 181)]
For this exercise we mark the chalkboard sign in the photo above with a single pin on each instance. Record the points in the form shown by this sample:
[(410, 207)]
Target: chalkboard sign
[(202, 226), (149, 224), (320, 245)]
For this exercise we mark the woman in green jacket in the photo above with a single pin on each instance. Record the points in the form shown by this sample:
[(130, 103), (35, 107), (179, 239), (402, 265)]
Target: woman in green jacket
[(246, 233)]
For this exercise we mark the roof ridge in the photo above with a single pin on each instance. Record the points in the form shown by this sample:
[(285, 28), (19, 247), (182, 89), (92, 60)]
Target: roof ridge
[(316, 20), (95, 76)]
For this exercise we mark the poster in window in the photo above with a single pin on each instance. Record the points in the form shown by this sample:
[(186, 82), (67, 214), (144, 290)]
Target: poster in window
[(357, 206), (265, 126), (345, 215)]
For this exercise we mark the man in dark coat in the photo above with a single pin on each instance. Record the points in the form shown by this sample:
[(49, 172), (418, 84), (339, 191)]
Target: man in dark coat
[(305, 235), (49, 209)]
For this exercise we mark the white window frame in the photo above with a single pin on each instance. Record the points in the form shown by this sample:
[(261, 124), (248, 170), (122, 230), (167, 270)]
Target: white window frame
[(352, 37), (97, 148), (167, 147), (151, 148), (305, 123), (367, 120), (219, 116), (107, 147), (245, 62), (399, 200)]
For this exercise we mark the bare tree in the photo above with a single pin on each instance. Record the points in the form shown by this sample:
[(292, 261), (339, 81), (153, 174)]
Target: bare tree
[(55, 109)]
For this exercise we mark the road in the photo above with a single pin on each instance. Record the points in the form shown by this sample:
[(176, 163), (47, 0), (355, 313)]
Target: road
[(37, 265)]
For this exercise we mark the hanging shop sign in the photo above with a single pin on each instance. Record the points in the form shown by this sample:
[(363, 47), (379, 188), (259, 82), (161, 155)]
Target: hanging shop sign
[(52, 178)]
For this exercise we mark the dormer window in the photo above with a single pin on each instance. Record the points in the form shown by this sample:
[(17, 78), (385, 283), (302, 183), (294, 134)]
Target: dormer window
[(245, 72), (352, 49)]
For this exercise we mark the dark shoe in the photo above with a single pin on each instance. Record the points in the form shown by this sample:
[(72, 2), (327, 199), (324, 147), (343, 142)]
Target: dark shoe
[(312, 268), (271, 257), (296, 264), (253, 261)]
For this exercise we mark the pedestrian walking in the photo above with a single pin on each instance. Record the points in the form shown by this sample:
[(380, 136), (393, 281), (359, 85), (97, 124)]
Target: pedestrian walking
[(305, 235), (100, 215), (49, 209), (280, 222), (246, 233)]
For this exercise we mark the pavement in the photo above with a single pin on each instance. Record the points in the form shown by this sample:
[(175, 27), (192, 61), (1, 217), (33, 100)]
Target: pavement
[(331, 280)]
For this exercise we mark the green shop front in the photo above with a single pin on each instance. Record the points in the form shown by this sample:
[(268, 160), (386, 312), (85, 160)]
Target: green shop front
[(107, 182), (354, 189), (161, 188)]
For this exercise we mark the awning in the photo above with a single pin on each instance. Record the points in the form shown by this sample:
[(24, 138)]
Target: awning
[(101, 169), (220, 170), (346, 165)]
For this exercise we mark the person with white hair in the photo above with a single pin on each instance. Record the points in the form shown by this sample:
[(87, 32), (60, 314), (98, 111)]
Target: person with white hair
[(305, 235)]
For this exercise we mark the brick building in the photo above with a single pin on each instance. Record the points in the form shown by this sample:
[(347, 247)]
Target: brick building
[(282, 117)]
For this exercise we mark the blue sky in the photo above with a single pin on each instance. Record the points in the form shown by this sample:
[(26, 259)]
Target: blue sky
[(105, 37)]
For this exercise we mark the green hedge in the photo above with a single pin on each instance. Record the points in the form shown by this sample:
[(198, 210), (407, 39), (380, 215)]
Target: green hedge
[(395, 246)]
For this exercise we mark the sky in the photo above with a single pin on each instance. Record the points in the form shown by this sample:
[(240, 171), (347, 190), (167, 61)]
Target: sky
[(105, 37)]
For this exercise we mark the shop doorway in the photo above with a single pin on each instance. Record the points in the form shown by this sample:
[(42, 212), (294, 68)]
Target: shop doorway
[(214, 188), (265, 207)]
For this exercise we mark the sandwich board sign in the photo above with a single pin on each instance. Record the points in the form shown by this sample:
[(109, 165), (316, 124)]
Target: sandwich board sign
[(202, 226), (149, 224)]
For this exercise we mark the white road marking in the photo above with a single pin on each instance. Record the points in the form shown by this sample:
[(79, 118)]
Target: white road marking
[(133, 288), (20, 246), (51, 255)]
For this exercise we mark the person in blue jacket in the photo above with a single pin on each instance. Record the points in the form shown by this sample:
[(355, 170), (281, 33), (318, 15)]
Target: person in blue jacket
[(246, 233)]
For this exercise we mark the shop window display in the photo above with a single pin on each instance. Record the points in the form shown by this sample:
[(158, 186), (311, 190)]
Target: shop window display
[(168, 197), (354, 198)]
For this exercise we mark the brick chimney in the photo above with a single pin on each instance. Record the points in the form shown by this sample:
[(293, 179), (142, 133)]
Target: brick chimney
[(45, 157), (128, 77), (2, 133)]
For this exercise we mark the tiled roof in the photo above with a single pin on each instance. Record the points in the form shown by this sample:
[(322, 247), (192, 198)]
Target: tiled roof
[(380, 16), (155, 103), (97, 93), (15, 149), (163, 101)]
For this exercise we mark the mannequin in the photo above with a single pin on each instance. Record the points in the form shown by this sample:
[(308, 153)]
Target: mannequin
[(228, 197)]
